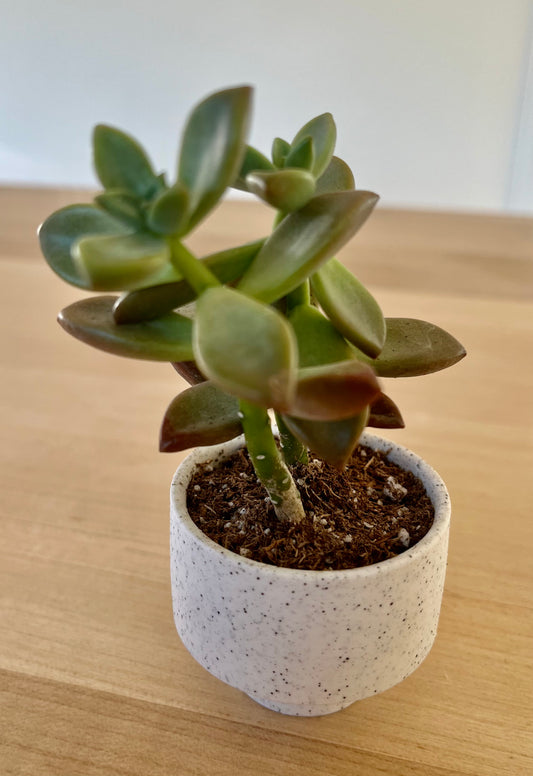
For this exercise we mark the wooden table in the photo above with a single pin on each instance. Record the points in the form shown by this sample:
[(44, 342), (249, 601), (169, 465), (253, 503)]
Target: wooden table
[(93, 678)]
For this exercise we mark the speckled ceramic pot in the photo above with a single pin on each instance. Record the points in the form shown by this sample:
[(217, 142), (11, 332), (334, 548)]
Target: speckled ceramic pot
[(307, 642)]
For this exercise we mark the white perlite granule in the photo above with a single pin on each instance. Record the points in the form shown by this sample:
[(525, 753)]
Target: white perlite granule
[(403, 536), (394, 490)]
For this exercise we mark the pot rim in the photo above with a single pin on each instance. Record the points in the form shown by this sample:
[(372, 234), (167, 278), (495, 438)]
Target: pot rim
[(403, 456)]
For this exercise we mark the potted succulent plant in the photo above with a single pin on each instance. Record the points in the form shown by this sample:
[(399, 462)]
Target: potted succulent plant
[(277, 327)]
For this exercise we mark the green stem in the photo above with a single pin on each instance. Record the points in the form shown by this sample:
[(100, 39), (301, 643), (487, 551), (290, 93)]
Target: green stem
[(268, 463), (292, 449), (193, 270)]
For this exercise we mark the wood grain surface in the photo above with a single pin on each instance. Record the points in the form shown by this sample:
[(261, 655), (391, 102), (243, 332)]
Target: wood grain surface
[(93, 677)]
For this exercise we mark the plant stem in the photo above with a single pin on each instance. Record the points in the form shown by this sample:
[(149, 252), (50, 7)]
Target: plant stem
[(193, 270), (292, 449), (268, 463)]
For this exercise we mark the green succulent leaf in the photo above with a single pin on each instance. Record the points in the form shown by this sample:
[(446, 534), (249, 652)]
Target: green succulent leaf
[(323, 131), (304, 240), (245, 347), (91, 321), (122, 205), (334, 391), (168, 213), (318, 340), (350, 307), (64, 228), (213, 147), (384, 413), (414, 347), (302, 155), (253, 160), (117, 262), (201, 415), (336, 177), (332, 440), (286, 190), (280, 149), (121, 163), (144, 304)]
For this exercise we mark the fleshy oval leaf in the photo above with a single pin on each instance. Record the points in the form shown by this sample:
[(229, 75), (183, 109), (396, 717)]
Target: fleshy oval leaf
[(189, 371), (304, 240), (334, 391), (332, 440), (336, 177), (301, 155), (64, 228), (318, 340), (384, 413), (245, 347), (414, 348), (118, 262), (323, 131), (91, 320), (212, 148), (200, 415), (286, 190), (168, 213), (144, 304), (121, 163), (350, 307)]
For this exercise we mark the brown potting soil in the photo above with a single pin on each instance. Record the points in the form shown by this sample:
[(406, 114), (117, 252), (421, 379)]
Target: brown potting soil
[(371, 511)]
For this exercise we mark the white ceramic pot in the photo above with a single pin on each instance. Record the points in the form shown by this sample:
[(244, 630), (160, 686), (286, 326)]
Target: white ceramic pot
[(307, 642)]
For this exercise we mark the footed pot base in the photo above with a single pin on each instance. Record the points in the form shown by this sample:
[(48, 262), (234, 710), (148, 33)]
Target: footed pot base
[(315, 708), (296, 710)]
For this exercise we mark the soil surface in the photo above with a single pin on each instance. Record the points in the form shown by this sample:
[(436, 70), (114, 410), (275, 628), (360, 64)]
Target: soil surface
[(371, 511)]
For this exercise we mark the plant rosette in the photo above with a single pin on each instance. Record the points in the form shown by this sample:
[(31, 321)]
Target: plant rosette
[(302, 642)]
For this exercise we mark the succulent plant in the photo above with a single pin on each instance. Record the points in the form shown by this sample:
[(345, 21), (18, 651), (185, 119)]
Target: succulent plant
[(276, 324)]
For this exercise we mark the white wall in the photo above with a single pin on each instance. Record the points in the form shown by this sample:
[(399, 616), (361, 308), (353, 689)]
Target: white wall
[(426, 95)]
